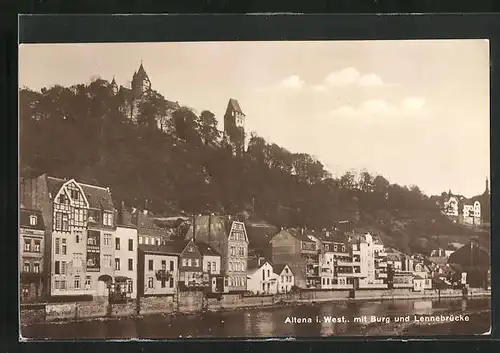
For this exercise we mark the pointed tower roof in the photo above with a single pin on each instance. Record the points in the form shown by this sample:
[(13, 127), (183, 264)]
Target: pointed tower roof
[(113, 82), (235, 106), (141, 71)]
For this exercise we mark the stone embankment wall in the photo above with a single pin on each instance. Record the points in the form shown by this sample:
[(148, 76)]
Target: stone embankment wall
[(196, 301)]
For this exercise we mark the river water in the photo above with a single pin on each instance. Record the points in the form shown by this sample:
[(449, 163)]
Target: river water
[(272, 322)]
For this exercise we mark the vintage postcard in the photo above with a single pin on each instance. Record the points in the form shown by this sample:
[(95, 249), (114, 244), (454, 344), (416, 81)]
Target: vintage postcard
[(254, 189)]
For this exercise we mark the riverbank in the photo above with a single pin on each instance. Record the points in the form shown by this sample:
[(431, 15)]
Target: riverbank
[(269, 322), (197, 302)]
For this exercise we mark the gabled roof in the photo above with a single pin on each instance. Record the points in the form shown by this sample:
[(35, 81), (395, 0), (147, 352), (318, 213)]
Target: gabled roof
[(253, 264), (235, 105), (24, 219), (279, 268), (206, 249), (98, 197)]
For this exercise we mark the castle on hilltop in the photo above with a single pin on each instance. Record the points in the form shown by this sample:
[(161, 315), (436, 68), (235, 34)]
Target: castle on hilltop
[(140, 91)]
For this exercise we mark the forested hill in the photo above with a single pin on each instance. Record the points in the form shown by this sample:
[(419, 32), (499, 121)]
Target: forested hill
[(83, 132)]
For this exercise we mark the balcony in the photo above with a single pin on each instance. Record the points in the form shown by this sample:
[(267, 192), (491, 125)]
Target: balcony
[(347, 263)]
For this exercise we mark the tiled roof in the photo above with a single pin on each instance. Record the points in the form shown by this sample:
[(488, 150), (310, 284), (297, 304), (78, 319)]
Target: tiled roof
[(235, 105), (24, 219), (330, 236), (298, 235), (253, 264), (393, 257), (98, 197), (206, 249), (167, 249)]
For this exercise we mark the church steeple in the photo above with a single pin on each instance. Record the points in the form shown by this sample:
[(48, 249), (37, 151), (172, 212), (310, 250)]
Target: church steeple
[(114, 86)]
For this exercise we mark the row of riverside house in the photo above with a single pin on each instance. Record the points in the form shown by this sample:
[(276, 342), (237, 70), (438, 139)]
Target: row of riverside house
[(75, 243)]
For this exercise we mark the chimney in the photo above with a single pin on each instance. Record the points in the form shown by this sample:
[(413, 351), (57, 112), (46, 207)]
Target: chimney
[(121, 213), (327, 233), (145, 212), (209, 226)]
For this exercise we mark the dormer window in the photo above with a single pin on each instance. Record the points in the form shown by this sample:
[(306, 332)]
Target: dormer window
[(62, 199), (108, 219), (33, 220)]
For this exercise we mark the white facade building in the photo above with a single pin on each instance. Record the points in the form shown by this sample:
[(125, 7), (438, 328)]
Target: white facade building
[(262, 279), (286, 279), (126, 259)]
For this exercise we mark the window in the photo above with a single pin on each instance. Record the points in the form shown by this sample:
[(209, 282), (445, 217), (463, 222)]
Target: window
[(27, 244), (33, 220), (209, 267), (230, 266), (107, 239), (147, 240), (130, 245), (117, 243), (27, 267), (343, 248), (263, 275), (130, 264), (75, 194), (77, 238), (171, 265), (57, 284), (63, 267), (130, 286), (62, 199), (65, 225), (335, 248), (171, 282), (36, 267), (282, 278), (157, 241), (57, 269), (87, 282), (163, 283), (64, 247), (189, 263), (117, 264), (184, 262), (233, 251), (77, 282), (58, 220), (164, 265), (108, 219), (268, 273), (150, 282), (150, 265), (140, 240)]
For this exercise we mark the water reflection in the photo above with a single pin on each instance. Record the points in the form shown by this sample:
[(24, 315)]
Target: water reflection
[(270, 322)]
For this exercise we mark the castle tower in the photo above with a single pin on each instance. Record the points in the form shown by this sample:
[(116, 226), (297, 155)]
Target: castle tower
[(234, 125), (141, 84), (114, 87)]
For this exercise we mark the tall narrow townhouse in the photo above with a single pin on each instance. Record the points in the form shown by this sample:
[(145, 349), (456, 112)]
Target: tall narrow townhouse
[(79, 237), (126, 243)]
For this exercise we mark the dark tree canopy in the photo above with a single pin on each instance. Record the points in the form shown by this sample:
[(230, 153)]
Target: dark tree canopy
[(179, 161)]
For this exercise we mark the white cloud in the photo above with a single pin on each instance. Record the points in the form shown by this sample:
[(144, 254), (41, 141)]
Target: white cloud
[(370, 80), (343, 77), (293, 82), (349, 76), (381, 110)]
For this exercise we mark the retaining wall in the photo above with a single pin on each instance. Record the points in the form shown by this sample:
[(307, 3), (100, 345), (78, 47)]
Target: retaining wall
[(157, 305), (190, 301)]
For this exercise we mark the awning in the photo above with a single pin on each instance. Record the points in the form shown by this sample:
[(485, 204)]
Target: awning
[(122, 279), (105, 278)]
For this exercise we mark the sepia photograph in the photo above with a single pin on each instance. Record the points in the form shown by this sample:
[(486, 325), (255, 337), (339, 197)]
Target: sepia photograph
[(260, 189)]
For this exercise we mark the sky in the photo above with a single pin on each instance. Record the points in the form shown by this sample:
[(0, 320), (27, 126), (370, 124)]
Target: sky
[(416, 112)]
